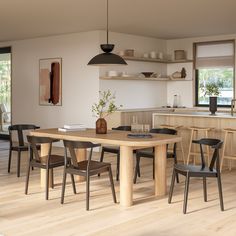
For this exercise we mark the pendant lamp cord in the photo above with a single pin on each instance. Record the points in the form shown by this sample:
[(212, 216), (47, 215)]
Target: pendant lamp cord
[(107, 21)]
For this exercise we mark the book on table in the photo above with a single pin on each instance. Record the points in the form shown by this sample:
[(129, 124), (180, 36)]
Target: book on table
[(73, 127)]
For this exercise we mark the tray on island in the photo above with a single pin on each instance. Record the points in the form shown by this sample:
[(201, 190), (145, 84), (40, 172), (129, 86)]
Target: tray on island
[(139, 135)]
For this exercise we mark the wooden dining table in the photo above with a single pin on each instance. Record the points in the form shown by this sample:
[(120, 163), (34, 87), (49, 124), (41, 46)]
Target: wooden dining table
[(127, 145)]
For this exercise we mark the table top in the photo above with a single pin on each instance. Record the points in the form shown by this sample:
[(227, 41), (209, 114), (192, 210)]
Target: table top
[(113, 137)]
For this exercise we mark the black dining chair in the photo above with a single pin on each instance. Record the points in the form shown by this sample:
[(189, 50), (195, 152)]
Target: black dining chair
[(47, 162), (203, 171), (85, 168), (115, 150), (19, 145), (149, 152)]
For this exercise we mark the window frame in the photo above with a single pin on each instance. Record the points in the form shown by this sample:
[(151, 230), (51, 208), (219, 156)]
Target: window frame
[(196, 72)]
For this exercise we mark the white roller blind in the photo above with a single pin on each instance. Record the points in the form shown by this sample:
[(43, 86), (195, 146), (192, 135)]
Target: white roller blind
[(215, 55)]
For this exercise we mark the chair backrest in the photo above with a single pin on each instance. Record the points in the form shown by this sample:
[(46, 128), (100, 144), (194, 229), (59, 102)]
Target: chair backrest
[(124, 128), (72, 145), (20, 128), (164, 131), (33, 141), (215, 144)]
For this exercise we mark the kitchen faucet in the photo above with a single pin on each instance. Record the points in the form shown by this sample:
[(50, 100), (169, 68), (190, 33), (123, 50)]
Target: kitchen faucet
[(232, 106)]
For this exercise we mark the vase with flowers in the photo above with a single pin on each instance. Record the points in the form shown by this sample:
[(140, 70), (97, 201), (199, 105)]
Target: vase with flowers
[(212, 90), (104, 107)]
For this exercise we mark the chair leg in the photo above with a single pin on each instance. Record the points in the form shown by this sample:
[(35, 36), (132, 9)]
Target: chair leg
[(112, 185), (52, 178), (205, 189), (18, 163), (31, 157), (27, 179), (101, 158), (175, 160), (190, 146), (153, 168), (47, 182), (9, 161), (87, 191), (172, 186), (186, 193), (136, 168), (118, 167), (139, 173), (223, 150), (220, 192), (63, 187), (73, 183), (182, 150)]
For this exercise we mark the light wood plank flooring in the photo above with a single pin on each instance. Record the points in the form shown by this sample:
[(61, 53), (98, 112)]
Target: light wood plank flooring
[(32, 215)]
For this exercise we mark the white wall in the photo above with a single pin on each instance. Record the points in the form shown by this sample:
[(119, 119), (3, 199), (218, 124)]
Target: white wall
[(136, 94), (80, 83), (185, 89)]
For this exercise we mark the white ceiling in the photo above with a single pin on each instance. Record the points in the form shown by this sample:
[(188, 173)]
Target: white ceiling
[(21, 19)]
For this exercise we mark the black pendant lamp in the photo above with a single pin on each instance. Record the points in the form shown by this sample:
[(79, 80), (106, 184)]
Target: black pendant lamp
[(107, 58)]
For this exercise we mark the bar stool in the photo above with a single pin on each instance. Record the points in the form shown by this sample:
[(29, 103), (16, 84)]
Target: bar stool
[(229, 133), (194, 133), (178, 129)]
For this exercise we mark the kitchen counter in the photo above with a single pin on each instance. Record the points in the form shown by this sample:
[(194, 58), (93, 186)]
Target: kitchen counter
[(186, 119), (224, 115)]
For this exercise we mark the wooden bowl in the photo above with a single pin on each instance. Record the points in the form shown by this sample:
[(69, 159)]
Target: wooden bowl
[(147, 74)]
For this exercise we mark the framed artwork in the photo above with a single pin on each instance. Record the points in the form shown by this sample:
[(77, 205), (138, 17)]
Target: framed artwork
[(50, 82)]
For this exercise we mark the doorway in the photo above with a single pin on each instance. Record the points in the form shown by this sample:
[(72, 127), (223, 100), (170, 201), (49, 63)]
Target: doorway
[(5, 89)]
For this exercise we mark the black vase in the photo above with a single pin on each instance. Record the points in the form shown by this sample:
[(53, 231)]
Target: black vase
[(213, 105)]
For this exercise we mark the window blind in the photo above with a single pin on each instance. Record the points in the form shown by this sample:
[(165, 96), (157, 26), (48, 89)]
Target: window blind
[(215, 55)]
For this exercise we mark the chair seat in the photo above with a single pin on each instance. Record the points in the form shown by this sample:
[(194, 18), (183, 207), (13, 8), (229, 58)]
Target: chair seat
[(112, 149), (54, 160), (148, 152), (23, 148), (195, 170), (94, 165)]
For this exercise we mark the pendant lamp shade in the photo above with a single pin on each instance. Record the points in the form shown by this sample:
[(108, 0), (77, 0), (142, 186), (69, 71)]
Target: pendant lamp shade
[(107, 58)]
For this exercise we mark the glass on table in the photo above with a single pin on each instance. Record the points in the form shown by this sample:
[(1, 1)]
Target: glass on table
[(146, 128), (137, 128)]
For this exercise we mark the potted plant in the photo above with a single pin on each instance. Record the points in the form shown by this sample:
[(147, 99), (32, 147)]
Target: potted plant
[(212, 89), (104, 107)]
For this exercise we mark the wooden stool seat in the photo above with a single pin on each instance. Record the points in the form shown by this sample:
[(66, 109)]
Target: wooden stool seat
[(199, 128), (194, 135), (177, 128), (231, 156)]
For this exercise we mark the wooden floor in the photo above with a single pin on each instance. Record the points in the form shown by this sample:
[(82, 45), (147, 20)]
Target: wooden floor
[(32, 215)]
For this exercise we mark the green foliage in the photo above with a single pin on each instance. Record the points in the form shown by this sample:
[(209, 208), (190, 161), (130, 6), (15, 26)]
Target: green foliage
[(5, 82), (106, 104), (211, 89), (213, 80)]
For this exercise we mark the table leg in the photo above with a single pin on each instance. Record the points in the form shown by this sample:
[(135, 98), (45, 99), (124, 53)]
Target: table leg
[(126, 176), (44, 151), (81, 155), (160, 170)]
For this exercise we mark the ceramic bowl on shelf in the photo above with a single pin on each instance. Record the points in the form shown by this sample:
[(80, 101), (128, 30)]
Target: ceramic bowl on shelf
[(147, 74)]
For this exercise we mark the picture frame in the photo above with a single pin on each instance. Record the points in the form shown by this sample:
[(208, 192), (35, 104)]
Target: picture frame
[(50, 81)]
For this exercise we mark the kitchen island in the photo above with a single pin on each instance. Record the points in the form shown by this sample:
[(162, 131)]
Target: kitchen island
[(186, 119)]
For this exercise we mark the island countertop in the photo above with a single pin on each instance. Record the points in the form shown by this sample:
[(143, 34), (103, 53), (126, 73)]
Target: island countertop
[(220, 115)]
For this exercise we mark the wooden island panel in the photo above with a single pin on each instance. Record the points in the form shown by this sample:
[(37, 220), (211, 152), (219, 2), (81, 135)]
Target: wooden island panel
[(199, 119)]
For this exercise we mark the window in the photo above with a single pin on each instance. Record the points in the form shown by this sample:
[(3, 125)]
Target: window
[(214, 65)]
